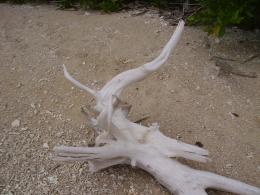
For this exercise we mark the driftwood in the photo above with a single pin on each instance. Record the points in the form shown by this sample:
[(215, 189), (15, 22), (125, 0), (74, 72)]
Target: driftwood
[(121, 141)]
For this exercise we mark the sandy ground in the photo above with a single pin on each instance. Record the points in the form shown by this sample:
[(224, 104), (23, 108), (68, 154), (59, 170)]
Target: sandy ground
[(41, 109)]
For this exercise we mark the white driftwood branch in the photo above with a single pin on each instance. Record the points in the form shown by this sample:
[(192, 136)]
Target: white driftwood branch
[(124, 142), (178, 178)]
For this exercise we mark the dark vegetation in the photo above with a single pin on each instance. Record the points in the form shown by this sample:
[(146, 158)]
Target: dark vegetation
[(216, 15)]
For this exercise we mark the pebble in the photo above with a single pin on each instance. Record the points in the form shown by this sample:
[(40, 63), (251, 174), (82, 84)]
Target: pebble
[(88, 184), (137, 12), (120, 177), (24, 128), (229, 103), (59, 134), (53, 179), (250, 155), (16, 123), (232, 116), (87, 14), (9, 193), (229, 165), (217, 40), (33, 105), (19, 85), (70, 106), (45, 145), (158, 31)]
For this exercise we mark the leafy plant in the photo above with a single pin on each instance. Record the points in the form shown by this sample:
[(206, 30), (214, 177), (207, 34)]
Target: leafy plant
[(65, 4), (23, 1), (218, 14), (110, 5), (159, 3), (215, 14), (104, 5)]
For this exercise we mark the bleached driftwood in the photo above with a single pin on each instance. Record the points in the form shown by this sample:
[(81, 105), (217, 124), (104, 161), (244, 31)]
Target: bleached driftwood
[(121, 141)]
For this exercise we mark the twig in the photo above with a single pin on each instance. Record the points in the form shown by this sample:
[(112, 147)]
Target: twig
[(196, 11), (222, 58), (227, 68), (142, 119), (250, 58)]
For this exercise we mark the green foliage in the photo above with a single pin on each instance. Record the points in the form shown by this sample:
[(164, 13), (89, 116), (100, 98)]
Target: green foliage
[(218, 14), (23, 1), (159, 3), (110, 5), (215, 14), (65, 4)]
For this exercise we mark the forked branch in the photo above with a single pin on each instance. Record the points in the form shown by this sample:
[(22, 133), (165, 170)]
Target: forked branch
[(124, 142)]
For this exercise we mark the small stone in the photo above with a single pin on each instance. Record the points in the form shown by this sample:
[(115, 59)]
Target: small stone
[(120, 177), (250, 155), (82, 127), (16, 123), (33, 105), (88, 184), (45, 145), (19, 85), (24, 128), (9, 193), (229, 103), (59, 134), (53, 180), (232, 116), (229, 165), (87, 14), (217, 40), (138, 12), (126, 61), (35, 112), (74, 177), (80, 171), (70, 106), (132, 190)]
